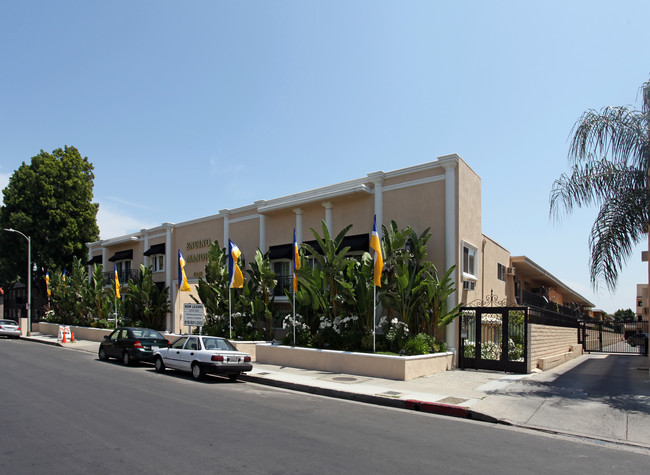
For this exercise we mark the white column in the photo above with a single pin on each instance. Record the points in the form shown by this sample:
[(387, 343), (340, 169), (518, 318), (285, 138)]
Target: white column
[(90, 267), (378, 182), (298, 212), (104, 259), (328, 215), (226, 227), (451, 244)]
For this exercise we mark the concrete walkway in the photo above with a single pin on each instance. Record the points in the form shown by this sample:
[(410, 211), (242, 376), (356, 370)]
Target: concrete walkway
[(604, 398)]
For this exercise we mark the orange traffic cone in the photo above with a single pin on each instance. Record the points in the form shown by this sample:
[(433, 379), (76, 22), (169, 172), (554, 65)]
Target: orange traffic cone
[(64, 340), (72, 335)]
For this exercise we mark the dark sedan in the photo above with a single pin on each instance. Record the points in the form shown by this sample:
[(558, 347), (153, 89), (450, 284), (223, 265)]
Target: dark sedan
[(131, 344)]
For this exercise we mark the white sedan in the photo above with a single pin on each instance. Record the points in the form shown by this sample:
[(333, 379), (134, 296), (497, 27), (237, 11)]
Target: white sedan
[(203, 354), (9, 328)]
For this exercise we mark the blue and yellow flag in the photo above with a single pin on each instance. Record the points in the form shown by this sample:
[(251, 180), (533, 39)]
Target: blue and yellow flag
[(47, 283), (183, 284), (375, 244), (236, 276), (296, 261), (117, 283)]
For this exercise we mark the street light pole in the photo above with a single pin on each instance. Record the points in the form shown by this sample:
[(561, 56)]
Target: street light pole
[(29, 278)]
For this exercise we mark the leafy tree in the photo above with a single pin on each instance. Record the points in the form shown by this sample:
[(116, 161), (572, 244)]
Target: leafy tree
[(49, 200), (214, 294), (97, 298), (610, 159), (413, 287), (69, 294), (259, 290), (360, 274), (326, 281), (409, 274), (145, 303), (625, 316), (213, 291)]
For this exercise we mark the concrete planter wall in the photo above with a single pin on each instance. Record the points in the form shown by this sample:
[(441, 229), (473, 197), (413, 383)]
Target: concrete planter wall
[(402, 368), (81, 333)]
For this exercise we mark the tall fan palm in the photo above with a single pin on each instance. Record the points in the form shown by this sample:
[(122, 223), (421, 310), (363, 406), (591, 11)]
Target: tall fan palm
[(610, 157)]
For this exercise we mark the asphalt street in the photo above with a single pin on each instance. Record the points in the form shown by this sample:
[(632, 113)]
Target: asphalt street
[(67, 412)]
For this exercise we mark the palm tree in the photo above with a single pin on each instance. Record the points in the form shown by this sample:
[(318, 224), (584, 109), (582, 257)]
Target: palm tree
[(610, 158)]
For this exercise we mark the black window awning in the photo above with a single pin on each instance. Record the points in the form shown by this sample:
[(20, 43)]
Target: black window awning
[(283, 251), (122, 256), (356, 243), (155, 249), (94, 260)]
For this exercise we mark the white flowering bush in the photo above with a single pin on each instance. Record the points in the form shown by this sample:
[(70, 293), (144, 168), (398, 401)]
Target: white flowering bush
[(396, 333), (492, 351), (303, 332), (340, 333), (243, 327)]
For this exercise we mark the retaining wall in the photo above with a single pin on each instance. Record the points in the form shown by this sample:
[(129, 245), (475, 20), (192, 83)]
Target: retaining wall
[(402, 368)]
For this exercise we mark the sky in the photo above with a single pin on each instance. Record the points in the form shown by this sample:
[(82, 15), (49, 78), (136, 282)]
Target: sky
[(187, 108)]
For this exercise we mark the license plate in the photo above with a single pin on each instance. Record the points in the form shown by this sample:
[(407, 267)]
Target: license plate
[(154, 347)]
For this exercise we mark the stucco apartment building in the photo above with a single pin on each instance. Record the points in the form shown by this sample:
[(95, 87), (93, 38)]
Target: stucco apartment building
[(443, 195)]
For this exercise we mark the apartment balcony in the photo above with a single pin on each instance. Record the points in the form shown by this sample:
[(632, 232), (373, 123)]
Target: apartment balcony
[(535, 300), (124, 276)]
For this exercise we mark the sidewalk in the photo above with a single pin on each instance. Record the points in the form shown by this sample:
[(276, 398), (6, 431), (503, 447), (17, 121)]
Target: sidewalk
[(549, 401)]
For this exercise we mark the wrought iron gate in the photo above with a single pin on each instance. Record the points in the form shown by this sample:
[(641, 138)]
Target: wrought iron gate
[(607, 337), (494, 338)]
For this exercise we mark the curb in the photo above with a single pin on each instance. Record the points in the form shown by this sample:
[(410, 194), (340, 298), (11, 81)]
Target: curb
[(409, 404), (333, 393), (45, 342)]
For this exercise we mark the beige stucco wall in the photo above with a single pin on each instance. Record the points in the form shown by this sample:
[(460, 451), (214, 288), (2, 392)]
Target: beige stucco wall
[(469, 225), (493, 254), (193, 240), (421, 207)]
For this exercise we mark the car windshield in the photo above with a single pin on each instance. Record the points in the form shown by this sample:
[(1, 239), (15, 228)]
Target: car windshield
[(218, 344), (146, 333), (7, 322)]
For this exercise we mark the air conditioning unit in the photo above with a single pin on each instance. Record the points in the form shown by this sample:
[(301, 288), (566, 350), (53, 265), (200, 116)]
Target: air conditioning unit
[(510, 271), (469, 285)]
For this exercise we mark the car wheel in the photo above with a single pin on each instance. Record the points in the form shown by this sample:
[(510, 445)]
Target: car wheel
[(233, 377), (197, 371), (159, 365), (126, 358), (102, 355)]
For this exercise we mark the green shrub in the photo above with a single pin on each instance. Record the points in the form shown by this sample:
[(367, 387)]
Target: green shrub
[(420, 344)]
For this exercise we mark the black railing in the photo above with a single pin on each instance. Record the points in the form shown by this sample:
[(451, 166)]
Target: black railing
[(124, 276), (535, 300)]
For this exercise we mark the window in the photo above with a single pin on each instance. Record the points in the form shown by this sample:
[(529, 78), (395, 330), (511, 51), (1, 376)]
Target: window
[(501, 272), (283, 274), (123, 270), (469, 260), (158, 263)]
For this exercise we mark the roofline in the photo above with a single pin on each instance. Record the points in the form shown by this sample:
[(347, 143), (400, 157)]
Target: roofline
[(541, 270)]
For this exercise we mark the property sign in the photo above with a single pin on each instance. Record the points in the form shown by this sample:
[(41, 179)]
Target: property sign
[(193, 314)]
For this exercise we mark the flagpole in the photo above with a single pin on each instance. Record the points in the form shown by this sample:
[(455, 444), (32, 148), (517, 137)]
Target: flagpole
[(374, 316), (230, 312), (294, 309)]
